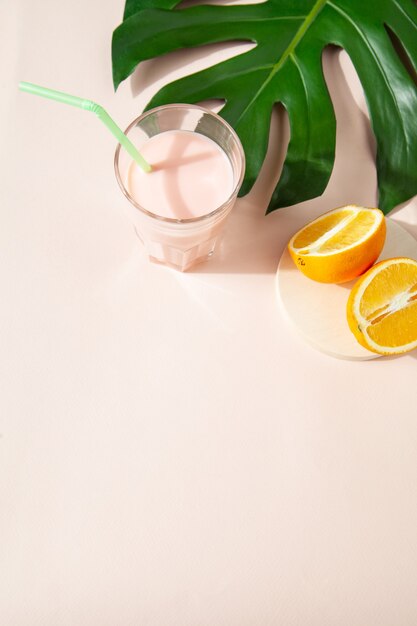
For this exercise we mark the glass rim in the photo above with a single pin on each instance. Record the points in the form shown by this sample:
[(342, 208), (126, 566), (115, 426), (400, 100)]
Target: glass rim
[(188, 220)]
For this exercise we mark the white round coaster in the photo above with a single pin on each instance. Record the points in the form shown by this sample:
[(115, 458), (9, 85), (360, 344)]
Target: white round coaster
[(318, 310)]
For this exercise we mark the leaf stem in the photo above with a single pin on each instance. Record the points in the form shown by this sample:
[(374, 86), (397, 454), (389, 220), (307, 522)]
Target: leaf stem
[(289, 50), (299, 34)]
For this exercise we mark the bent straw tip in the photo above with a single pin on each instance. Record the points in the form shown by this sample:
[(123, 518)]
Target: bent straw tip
[(89, 105)]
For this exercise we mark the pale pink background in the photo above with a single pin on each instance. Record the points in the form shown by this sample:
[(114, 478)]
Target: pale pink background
[(171, 452)]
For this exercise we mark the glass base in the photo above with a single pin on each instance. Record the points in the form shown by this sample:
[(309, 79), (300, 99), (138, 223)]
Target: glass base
[(181, 268), (177, 258)]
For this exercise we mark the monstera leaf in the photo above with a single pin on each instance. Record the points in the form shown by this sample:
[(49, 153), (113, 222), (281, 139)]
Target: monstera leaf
[(285, 67)]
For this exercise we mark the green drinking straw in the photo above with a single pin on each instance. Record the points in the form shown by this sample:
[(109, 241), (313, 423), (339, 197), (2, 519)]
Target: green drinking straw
[(88, 105)]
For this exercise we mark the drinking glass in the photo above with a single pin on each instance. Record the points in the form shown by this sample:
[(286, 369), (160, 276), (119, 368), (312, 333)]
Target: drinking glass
[(180, 243)]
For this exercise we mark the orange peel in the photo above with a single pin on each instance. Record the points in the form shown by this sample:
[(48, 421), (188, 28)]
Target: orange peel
[(382, 307), (339, 245)]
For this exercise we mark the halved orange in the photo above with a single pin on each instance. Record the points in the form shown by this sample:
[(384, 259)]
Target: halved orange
[(339, 245), (382, 307)]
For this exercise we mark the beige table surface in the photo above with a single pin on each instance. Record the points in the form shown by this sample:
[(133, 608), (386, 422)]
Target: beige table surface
[(171, 452)]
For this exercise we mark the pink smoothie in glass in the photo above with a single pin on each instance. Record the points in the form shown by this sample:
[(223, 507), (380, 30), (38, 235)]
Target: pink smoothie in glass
[(191, 175)]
